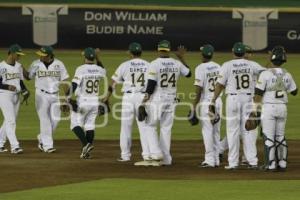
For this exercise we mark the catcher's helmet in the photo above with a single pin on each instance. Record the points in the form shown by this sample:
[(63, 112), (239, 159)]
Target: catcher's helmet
[(278, 54)]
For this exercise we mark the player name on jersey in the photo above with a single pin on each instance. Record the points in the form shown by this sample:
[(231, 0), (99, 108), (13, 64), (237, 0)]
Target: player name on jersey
[(141, 70), (11, 76), (212, 74), (167, 70), (241, 71), (89, 76), (48, 74)]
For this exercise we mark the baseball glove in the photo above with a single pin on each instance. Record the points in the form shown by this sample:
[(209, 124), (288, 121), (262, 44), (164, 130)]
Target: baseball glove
[(192, 118), (25, 96), (74, 105), (253, 121), (142, 114), (103, 108)]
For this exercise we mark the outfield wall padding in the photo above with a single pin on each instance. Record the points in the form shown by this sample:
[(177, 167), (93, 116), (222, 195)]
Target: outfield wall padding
[(111, 27)]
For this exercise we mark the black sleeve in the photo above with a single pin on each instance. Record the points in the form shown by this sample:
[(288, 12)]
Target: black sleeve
[(189, 74), (259, 92), (22, 85), (3, 86), (74, 87), (295, 92), (150, 86)]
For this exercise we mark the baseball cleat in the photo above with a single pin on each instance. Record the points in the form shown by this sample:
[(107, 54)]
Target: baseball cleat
[(123, 160), (51, 150), (3, 149), (40, 146), (252, 167), (206, 165), (231, 167), (86, 149), (87, 156), (17, 151)]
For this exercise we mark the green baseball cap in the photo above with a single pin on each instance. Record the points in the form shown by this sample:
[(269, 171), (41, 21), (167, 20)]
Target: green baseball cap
[(239, 48), (135, 47), (15, 48), (164, 45), (45, 51), (89, 53), (207, 50)]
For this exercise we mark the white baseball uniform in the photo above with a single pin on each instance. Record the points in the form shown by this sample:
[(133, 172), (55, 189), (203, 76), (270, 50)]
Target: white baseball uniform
[(47, 80), (132, 74), (87, 77), (206, 75), (9, 102), (224, 142), (275, 83), (161, 107), (237, 76)]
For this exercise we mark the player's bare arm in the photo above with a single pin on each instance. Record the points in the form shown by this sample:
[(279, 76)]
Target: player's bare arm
[(181, 51), (25, 73), (110, 90), (98, 58), (218, 90)]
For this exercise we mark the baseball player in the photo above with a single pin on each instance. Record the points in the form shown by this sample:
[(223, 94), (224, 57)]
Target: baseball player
[(132, 74), (11, 85), (224, 143), (237, 77), (85, 86), (159, 102), (206, 75), (271, 89), (48, 73)]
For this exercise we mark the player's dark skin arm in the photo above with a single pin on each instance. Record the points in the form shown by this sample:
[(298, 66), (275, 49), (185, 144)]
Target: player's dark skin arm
[(218, 89), (98, 59), (181, 50), (110, 90), (149, 90), (198, 96), (25, 74)]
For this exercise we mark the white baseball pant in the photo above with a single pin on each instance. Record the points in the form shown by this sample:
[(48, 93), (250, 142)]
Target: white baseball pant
[(160, 110), (130, 104), (211, 133), (238, 108), (9, 104), (48, 109), (273, 124)]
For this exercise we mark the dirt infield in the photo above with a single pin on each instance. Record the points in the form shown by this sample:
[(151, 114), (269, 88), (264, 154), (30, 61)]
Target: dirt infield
[(35, 169)]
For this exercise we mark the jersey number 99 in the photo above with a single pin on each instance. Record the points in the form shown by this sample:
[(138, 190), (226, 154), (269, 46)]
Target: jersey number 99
[(92, 86)]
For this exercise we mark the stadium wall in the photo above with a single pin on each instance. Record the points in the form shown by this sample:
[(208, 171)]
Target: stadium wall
[(114, 26)]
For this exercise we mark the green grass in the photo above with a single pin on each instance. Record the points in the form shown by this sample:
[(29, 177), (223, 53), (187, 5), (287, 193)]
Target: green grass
[(129, 189), (28, 123)]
